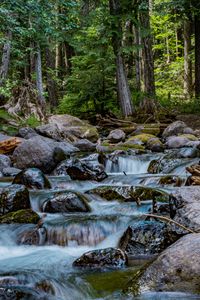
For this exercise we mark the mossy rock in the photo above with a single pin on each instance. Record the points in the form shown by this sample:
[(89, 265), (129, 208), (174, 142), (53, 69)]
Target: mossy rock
[(139, 194), (120, 193), (143, 137), (25, 216), (190, 137), (123, 147)]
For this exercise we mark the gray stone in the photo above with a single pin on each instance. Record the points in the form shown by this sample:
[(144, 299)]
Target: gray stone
[(176, 269), (5, 162), (116, 136)]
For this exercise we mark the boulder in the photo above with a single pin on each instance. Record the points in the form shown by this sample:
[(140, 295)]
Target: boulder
[(27, 132), (85, 145), (176, 269), (21, 216), (73, 128), (116, 136), (146, 238), (32, 178), (190, 152), (66, 202), (13, 198), (5, 162), (100, 259), (155, 145), (10, 172), (176, 128), (40, 152), (51, 131), (176, 142), (85, 170)]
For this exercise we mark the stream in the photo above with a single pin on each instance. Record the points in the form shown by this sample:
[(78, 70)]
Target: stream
[(46, 272)]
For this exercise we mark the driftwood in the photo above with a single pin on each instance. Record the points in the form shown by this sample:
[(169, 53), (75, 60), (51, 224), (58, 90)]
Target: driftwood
[(165, 219), (8, 145), (112, 122), (194, 179)]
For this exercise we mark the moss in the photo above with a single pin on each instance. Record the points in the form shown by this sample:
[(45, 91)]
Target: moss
[(21, 216), (143, 137), (190, 137), (108, 193), (144, 193)]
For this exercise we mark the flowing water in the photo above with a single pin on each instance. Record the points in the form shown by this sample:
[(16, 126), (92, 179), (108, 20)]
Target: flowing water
[(46, 272)]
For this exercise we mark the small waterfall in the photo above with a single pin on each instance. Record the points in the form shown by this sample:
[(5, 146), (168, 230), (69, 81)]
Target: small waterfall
[(128, 164)]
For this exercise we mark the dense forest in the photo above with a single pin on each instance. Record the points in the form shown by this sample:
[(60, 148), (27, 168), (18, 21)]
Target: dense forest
[(89, 57)]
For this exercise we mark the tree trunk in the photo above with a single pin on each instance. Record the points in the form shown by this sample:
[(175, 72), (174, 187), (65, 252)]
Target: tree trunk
[(51, 84), (128, 42), (39, 83), (187, 60), (123, 89), (149, 81), (197, 55), (69, 53), (137, 58), (5, 58)]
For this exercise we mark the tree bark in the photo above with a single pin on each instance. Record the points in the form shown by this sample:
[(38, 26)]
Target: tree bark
[(197, 55), (39, 82), (5, 58), (69, 53), (123, 89), (137, 58), (149, 81), (51, 84), (187, 60)]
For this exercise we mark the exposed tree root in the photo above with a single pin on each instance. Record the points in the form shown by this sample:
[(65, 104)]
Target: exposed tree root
[(24, 102)]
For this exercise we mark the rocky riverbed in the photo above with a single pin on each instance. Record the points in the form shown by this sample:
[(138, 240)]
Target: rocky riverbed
[(91, 214)]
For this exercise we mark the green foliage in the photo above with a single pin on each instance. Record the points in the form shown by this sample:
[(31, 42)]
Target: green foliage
[(32, 121)]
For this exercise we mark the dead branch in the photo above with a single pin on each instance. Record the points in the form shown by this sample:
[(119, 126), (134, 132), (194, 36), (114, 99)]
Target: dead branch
[(169, 221)]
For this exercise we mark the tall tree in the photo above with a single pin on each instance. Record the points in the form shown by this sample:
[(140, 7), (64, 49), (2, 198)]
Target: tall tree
[(123, 90)]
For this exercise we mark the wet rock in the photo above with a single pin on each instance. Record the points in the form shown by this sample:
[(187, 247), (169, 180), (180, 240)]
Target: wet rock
[(21, 216), (176, 128), (5, 162), (35, 236), (32, 178), (139, 194), (68, 202), (146, 238), (101, 259), (74, 128), (27, 132), (171, 180), (176, 269), (155, 145), (10, 172), (13, 198), (85, 145), (166, 164), (120, 193), (85, 170), (116, 136), (189, 152)]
